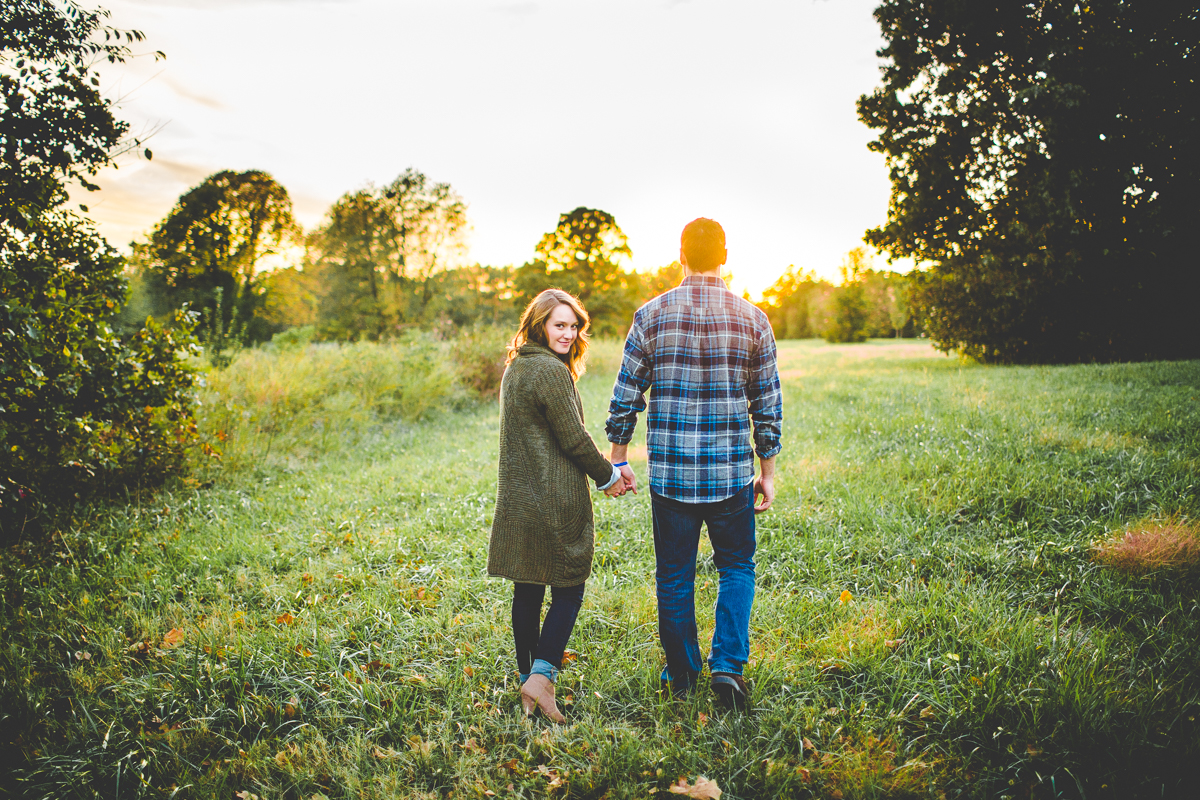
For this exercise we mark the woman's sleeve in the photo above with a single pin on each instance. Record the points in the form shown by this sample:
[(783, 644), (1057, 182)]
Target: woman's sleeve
[(558, 395)]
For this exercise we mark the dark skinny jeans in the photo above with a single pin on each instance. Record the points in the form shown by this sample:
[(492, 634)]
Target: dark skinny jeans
[(548, 644)]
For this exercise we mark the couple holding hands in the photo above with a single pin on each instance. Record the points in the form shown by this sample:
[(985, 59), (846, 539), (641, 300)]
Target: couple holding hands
[(716, 402)]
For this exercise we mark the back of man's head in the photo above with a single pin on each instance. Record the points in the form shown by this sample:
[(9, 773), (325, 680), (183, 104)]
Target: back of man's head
[(703, 245)]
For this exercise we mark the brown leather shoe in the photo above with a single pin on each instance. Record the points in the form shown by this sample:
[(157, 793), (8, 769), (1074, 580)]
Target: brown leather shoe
[(537, 696), (731, 690)]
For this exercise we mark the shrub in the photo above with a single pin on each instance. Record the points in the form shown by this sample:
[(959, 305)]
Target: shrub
[(479, 358), (85, 413)]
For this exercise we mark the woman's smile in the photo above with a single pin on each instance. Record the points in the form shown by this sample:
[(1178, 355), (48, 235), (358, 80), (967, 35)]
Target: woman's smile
[(562, 327)]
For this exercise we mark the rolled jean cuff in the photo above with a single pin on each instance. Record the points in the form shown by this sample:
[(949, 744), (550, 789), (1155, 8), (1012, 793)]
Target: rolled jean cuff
[(543, 667)]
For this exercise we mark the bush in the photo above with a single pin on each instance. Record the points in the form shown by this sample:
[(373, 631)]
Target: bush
[(479, 358), (85, 413)]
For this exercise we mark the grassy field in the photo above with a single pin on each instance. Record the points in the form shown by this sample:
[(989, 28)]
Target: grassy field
[(313, 620)]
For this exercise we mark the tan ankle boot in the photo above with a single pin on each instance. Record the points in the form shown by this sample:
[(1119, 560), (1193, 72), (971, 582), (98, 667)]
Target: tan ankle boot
[(537, 695)]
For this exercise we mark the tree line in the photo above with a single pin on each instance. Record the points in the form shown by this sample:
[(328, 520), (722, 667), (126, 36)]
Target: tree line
[(385, 259)]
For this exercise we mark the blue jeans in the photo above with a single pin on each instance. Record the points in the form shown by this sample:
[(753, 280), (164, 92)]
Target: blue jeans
[(676, 538)]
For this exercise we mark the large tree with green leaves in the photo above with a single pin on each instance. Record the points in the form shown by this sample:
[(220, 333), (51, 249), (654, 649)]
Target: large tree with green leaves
[(1044, 160), (583, 255), (81, 410), (379, 251), (208, 251)]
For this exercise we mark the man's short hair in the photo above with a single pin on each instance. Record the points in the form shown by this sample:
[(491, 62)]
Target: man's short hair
[(703, 245)]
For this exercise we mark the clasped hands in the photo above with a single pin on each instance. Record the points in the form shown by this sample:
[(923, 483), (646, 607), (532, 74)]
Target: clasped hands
[(627, 483)]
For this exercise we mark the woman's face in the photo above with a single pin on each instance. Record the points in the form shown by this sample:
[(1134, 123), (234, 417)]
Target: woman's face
[(562, 326)]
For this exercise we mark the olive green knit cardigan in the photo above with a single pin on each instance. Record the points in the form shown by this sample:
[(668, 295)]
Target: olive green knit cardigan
[(542, 529)]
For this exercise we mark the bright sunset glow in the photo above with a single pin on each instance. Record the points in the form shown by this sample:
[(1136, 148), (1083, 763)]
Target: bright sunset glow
[(656, 112)]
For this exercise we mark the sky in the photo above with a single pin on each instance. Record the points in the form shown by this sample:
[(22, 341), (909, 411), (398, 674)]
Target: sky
[(657, 111)]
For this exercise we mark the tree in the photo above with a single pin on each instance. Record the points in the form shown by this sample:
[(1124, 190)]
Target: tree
[(794, 303), (379, 251), (82, 410), (582, 256), (1044, 160), (849, 305), (212, 243), (583, 251)]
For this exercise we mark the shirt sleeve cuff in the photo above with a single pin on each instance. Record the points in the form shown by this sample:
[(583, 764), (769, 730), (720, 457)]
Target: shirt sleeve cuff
[(771, 451), (616, 476)]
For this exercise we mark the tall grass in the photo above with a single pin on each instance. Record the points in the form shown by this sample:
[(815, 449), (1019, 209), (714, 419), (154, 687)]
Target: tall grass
[(300, 399), (930, 618)]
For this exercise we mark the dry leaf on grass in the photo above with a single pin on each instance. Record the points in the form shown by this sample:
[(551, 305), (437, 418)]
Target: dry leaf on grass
[(173, 638), (421, 746), (285, 619), (702, 789), (472, 746), (385, 753)]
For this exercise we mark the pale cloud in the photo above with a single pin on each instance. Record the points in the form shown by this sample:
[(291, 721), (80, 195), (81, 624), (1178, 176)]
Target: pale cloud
[(183, 91)]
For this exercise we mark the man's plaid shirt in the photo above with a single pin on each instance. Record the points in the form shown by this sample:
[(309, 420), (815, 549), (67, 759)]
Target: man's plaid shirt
[(710, 357)]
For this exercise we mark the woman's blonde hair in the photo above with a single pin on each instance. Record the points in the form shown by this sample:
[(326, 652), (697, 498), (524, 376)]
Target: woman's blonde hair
[(533, 328)]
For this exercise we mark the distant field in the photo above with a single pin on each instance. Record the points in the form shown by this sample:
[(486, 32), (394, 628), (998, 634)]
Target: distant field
[(316, 622)]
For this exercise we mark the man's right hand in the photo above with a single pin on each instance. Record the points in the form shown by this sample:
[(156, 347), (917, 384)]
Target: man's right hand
[(630, 478), (764, 485)]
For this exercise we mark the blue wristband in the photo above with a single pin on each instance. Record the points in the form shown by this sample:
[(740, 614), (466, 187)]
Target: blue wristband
[(622, 464)]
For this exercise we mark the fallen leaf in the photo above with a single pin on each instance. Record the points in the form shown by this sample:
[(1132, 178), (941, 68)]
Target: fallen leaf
[(928, 713), (472, 746), (307, 578), (174, 638), (805, 775), (285, 618), (385, 753), (303, 651), (845, 596), (292, 707), (569, 656), (702, 789), (469, 671), (244, 795), (419, 745), (892, 642), (808, 746), (702, 719), (1032, 751), (510, 765)]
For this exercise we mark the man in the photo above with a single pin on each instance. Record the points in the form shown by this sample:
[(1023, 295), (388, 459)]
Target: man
[(710, 357)]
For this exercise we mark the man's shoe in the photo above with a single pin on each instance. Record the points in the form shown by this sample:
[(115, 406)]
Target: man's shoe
[(731, 690)]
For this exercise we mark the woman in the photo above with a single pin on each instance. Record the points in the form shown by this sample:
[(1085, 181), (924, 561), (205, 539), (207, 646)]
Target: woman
[(542, 531)]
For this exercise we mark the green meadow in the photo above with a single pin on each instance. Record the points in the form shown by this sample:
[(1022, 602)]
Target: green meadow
[(308, 614)]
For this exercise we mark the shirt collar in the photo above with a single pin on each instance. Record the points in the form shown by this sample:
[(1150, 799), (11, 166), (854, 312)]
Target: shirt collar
[(703, 280)]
